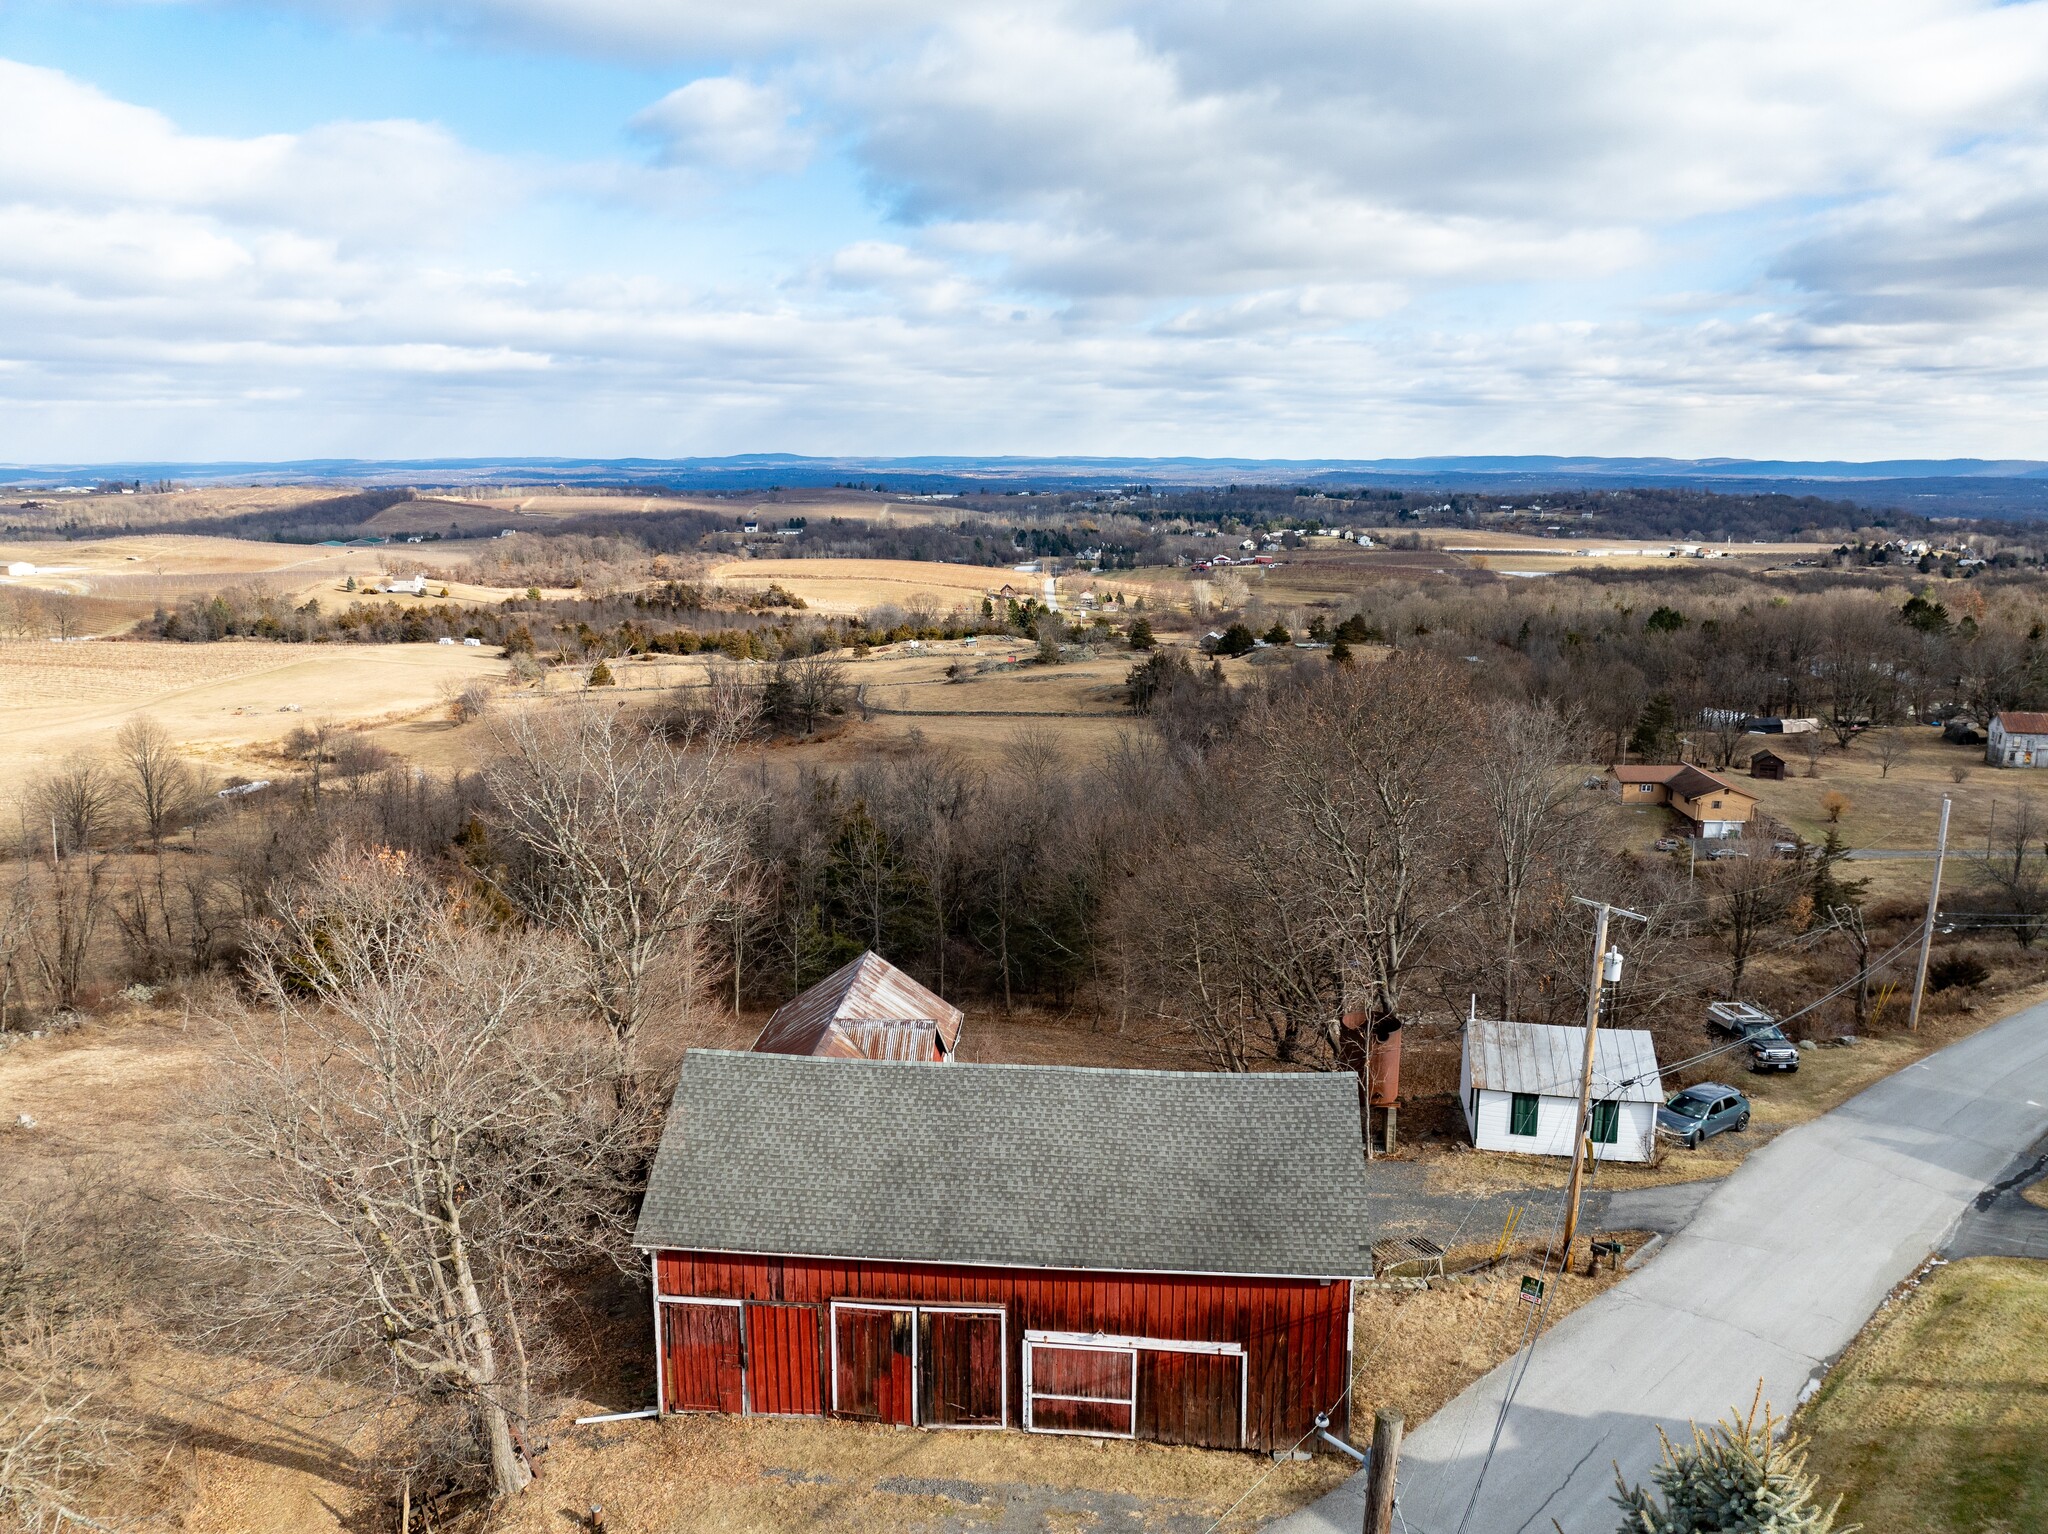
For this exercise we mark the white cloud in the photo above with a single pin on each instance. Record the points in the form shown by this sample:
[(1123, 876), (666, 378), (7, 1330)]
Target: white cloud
[(1309, 226), (724, 123)]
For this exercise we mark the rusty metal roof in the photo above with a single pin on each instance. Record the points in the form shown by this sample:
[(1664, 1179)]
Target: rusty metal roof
[(1544, 1059), (866, 1010), (2018, 722)]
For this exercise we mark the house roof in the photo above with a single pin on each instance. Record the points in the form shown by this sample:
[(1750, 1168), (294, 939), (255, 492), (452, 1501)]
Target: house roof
[(1693, 781), (833, 1015), (1545, 1059), (1680, 777), (1012, 1166), (2020, 722), (1656, 772)]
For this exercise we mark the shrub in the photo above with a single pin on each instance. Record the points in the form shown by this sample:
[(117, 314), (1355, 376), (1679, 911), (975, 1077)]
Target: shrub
[(1958, 969), (601, 675)]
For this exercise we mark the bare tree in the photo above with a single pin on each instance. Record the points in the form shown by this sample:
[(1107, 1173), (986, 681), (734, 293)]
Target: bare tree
[(1748, 895), (75, 803), (2015, 866), (1888, 744), (814, 687), (1529, 793), (1811, 744), (413, 1145), (159, 785), (630, 845)]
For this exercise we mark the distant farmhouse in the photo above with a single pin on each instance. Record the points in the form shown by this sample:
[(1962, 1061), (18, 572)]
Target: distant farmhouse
[(2017, 739), (1709, 804)]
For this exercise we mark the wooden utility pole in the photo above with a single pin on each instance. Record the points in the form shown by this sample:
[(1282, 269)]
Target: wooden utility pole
[(1927, 931), (1386, 1459), (1582, 1125)]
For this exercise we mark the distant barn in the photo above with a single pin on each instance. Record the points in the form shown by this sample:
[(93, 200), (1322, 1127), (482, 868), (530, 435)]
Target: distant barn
[(1159, 1255), (866, 1010), (1767, 765)]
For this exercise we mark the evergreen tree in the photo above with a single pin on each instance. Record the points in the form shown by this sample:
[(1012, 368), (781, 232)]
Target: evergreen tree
[(1141, 634), (1278, 636), (1738, 1477), (1656, 733), (601, 676)]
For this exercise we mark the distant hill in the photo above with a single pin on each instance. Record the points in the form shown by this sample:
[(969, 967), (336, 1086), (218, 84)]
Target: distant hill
[(1963, 487)]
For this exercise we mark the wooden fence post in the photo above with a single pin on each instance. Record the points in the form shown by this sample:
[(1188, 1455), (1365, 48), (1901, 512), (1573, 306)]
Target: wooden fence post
[(1386, 1457)]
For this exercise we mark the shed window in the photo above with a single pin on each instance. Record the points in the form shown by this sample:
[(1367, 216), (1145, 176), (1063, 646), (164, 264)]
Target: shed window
[(1606, 1123), (1522, 1114)]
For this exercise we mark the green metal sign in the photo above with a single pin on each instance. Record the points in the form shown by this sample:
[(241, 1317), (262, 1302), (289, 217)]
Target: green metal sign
[(1532, 1290)]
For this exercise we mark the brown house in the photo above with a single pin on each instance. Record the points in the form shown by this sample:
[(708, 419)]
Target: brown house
[(866, 1010), (1709, 803), (1767, 765)]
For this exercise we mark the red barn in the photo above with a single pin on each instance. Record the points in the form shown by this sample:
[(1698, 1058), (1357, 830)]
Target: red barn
[(1122, 1254)]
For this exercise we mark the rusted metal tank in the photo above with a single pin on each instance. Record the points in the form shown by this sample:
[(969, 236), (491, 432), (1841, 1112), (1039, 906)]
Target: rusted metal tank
[(1386, 1063)]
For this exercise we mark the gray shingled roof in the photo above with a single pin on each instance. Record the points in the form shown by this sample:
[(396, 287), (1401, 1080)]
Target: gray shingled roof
[(1012, 1165)]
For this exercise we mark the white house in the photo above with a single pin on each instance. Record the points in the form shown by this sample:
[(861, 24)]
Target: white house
[(416, 587), (2017, 739), (21, 567), (1519, 1086)]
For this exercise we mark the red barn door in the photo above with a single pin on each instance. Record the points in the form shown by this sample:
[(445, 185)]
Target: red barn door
[(703, 1366), (784, 1375), (875, 1362), (960, 1368)]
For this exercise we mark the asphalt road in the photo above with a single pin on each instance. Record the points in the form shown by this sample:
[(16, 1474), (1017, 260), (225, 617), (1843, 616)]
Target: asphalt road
[(1777, 1272)]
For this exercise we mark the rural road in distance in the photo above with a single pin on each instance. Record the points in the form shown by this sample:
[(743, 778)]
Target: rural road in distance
[(1777, 1273)]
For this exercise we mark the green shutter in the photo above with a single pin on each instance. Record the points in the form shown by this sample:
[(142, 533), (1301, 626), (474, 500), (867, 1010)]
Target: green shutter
[(1606, 1123), (1522, 1114)]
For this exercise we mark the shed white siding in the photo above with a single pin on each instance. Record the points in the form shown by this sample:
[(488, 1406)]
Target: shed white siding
[(1488, 1114), (1500, 1060)]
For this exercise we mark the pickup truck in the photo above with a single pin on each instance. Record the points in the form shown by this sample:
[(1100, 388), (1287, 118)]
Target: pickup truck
[(1769, 1049)]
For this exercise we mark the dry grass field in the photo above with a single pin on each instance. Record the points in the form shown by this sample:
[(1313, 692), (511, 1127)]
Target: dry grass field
[(226, 704), (1932, 1423), (845, 586)]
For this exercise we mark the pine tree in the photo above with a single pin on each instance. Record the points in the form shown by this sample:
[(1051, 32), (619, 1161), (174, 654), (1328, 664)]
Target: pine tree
[(601, 676), (1738, 1477), (1141, 634)]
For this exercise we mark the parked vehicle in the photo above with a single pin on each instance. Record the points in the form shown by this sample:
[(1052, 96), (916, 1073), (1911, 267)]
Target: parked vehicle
[(1666, 844), (1768, 1048), (1701, 1112)]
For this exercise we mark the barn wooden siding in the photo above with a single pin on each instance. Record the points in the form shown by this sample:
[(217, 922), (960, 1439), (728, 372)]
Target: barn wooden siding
[(1294, 1333)]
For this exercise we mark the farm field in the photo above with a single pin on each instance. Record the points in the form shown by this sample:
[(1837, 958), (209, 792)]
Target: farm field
[(842, 587), (1933, 1421), (226, 704)]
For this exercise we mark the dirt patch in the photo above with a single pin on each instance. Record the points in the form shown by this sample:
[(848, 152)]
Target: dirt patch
[(1416, 1349), (683, 1475)]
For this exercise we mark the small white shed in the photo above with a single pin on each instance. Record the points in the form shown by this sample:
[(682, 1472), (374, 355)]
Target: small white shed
[(1519, 1086)]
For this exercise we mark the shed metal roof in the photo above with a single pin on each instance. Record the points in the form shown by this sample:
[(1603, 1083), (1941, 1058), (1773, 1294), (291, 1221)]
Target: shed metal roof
[(1012, 1166), (834, 1016), (2019, 722), (1545, 1058)]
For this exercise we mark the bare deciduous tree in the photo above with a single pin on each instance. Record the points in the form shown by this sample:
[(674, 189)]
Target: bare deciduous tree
[(1528, 790), (1888, 744), (159, 785), (630, 845), (414, 1143), (74, 805)]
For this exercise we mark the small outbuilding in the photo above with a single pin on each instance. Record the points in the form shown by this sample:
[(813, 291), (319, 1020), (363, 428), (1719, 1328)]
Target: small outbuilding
[(1767, 765), (866, 1010), (2017, 739), (1519, 1086), (1114, 1254)]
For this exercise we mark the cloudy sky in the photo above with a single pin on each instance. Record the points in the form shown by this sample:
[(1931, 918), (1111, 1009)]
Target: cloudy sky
[(1290, 228)]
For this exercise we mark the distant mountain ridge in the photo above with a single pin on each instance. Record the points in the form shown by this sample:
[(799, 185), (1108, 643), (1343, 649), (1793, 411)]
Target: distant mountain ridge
[(1958, 486), (827, 469)]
